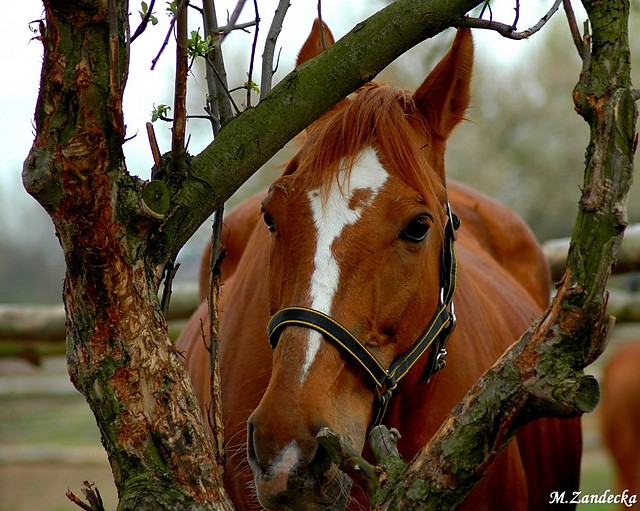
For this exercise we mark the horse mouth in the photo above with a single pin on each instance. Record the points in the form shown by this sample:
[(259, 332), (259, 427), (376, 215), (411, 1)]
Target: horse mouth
[(328, 492), (331, 494)]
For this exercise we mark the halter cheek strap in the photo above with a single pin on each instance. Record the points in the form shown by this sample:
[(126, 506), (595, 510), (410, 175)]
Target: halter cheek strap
[(386, 380)]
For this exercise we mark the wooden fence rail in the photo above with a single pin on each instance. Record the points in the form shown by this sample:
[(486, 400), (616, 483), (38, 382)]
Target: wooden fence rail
[(32, 332), (628, 258), (35, 331)]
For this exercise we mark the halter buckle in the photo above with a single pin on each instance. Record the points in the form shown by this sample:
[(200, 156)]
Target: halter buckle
[(452, 317), (440, 360)]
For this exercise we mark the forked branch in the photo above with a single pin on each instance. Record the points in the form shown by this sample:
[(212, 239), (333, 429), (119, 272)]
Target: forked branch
[(509, 31), (269, 48), (573, 27)]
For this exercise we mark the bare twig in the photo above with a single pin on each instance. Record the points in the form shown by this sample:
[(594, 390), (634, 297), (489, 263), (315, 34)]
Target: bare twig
[(223, 80), (573, 27), (194, 116), (515, 21), (227, 29), (586, 47), (321, 24), (215, 413), (508, 31), (178, 150), (153, 143), (231, 23), (486, 6), (91, 494), (163, 45), (221, 100), (166, 37), (170, 273), (221, 104), (253, 54), (269, 47)]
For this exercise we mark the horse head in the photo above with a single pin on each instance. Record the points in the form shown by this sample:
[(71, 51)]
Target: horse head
[(358, 225)]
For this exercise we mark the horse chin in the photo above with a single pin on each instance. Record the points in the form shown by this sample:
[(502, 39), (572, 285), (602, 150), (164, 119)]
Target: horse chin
[(329, 493)]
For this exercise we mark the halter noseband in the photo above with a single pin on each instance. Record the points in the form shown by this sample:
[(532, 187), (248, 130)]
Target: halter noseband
[(437, 332)]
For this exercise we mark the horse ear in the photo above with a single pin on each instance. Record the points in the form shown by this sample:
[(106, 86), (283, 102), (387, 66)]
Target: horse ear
[(444, 95), (313, 46)]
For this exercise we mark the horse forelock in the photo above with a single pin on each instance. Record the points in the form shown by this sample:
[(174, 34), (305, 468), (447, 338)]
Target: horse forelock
[(384, 118)]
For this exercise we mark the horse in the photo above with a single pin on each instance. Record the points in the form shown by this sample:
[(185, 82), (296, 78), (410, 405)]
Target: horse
[(619, 413), (340, 312)]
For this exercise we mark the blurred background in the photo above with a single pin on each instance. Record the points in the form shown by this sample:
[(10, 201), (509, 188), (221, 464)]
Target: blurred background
[(523, 144)]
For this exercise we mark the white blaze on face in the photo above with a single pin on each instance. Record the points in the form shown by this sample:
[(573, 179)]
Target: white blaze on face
[(330, 217)]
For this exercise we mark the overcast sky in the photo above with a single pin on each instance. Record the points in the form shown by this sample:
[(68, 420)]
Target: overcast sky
[(21, 57)]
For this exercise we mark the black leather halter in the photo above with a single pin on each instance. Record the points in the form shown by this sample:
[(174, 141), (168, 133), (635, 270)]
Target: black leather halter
[(437, 332)]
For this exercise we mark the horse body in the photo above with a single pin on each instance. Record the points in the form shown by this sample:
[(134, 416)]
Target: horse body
[(620, 415), (354, 229), (240, 221)]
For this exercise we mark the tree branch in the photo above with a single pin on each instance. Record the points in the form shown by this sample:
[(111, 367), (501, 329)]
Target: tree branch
[(269, 47), (145, 21), (217, 86), (253, 54), (180, 90), (509, 31), (321, 25), (573, 27), (231, 24)]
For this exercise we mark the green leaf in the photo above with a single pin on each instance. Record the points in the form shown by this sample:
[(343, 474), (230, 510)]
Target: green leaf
[(172, 8), (159, 112), (197, 46), (252, 85)]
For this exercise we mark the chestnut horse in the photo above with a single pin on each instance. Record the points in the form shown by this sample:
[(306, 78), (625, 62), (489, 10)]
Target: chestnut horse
[(619, 412), (355, 265)]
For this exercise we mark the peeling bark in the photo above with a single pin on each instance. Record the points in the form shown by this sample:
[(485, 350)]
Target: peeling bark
[(119, 354)]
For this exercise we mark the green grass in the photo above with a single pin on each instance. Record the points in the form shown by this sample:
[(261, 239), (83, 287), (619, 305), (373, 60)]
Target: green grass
[(64, 420), (597, 477), (55, 420)]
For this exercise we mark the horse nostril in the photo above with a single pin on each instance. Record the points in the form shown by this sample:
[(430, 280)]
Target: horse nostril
[(251, 450)]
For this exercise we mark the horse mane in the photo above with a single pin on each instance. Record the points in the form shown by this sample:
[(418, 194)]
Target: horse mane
[(379, 116)]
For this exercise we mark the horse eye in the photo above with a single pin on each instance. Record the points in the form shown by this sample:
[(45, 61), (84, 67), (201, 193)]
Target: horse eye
[(416, 230), (269, 221)]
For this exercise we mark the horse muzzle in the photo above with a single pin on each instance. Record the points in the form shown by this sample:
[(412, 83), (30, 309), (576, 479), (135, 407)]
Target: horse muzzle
[(296, 477)]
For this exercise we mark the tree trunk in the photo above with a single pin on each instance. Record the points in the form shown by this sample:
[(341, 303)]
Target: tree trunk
[(119, 354)]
